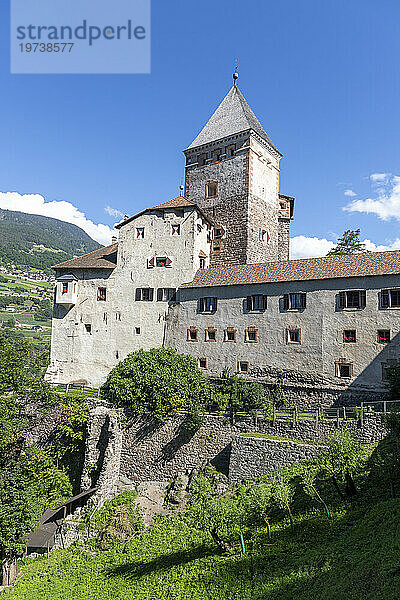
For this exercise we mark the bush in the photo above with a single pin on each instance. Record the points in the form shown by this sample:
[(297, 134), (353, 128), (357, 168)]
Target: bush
[(159, 381)]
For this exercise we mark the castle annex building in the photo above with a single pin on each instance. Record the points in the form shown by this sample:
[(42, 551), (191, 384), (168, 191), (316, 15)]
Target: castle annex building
[(208, 274)]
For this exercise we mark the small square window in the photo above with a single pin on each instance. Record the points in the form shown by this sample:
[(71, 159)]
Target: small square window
[(201, 159), (211, 189), (65, 287), (88, 327), (117, 316), (257, 303), (217, 154), (344, 370), (216, 246), (349, 336), (383, 336), (105, 317), (243, 367), (161, 261), (265, 236), (296, 301), (293, 335), (166, 294), (251, 334), (192, 334), (211, 334), (230, 334), (102, 294), (203, 363), (207, 304), (175, 230), (230, 150), (202, 263), (139, 233), (137, 330)]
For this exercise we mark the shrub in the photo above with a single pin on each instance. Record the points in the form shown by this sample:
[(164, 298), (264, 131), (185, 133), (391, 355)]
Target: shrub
[(159, 381)]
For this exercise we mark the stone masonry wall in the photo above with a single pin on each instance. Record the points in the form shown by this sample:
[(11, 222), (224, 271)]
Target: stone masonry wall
[(253, 457)]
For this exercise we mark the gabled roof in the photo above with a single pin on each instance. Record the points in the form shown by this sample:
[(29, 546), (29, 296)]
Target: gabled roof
[(102, 258), (328, 267), (178, 202), (233, 115)]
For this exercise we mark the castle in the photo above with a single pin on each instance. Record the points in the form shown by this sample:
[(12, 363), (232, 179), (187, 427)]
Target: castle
[(208, 274)]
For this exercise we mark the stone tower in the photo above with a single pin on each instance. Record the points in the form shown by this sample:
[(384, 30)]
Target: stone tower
[(232, 173)]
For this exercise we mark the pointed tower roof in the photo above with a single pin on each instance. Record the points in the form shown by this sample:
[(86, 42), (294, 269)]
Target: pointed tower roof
[(232, 116)]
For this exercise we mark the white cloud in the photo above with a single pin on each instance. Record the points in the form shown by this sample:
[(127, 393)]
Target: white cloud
[(386, 204), (309, 247), (113, 212), (349, 193), (35, 204), (379, 176), (302, 246)]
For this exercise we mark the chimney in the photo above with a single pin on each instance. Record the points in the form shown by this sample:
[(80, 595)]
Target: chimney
[(114, 239)]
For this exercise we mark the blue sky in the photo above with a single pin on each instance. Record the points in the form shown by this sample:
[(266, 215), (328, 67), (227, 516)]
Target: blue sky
[(322, 77)]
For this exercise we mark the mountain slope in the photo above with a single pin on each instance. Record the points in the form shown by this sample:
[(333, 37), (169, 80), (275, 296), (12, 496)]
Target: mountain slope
[(35, 241)]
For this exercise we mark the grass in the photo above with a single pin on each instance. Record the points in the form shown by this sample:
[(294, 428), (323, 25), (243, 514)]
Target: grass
[(354, 555)]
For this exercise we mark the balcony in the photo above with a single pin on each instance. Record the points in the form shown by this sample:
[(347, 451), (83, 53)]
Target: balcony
[(66, 290)]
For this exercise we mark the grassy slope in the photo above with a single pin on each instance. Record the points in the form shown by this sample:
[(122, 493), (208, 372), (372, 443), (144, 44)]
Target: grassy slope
[(354, 556)]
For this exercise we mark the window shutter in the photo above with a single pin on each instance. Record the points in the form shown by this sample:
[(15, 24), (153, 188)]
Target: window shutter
[(138, 295), (362, 299), (303, 300), (151, 294), (385, 299), (342, 299), (248, 303), (168, 262), (150, 262), (159, 294), (286, 302), (264, 304), (201, 305), (223, 232), (214, 304)]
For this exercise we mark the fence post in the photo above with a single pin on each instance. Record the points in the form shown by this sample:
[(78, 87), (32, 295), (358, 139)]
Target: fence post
[(337, 417), (344, 413), (362, 415), (384, 407)]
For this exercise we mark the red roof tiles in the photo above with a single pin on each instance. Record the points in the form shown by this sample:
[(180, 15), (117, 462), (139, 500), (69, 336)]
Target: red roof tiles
[(328, 267)]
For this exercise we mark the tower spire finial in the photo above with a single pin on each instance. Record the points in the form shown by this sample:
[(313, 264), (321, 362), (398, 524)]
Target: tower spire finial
[(235, 74)]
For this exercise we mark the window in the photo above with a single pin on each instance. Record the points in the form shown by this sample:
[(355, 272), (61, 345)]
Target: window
[(163, 261), (105, 318), (201, 159), (243, 366), (352, 299), (216, 246), (230, 334), (102, 294), (211, 334), (203, 363), (383, 336), (207, 305), (137, 330), (251, 334), (344, 369), (211, 189), (295, 301), (117, 354), (390, 298), (144, 294), (65, 287), (117, 316), (264, 235), (139, 233), (258, 302), (349, 336), (219, 233), (230, 150), (192, 334), (175, 230), (202, 263), (88, 327), (293, 335), (166, 294)]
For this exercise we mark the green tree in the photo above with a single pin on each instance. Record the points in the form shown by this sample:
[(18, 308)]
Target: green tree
[(340, 460), (159, 381), (349, 243)]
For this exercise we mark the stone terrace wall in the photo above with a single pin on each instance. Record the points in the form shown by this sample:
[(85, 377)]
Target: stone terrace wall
[(252, 457), (159, 452)]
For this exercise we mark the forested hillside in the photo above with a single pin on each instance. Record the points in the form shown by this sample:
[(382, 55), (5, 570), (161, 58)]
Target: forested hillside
[(39, 242)]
